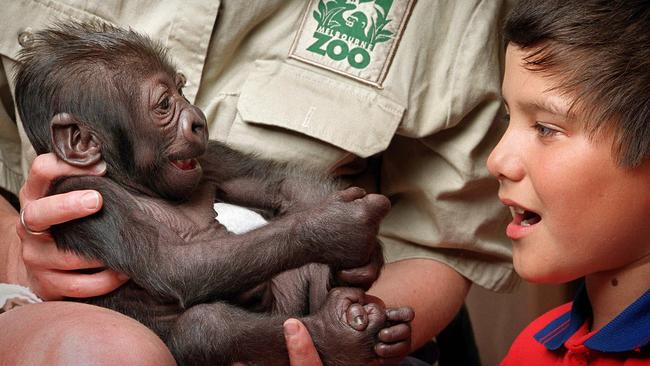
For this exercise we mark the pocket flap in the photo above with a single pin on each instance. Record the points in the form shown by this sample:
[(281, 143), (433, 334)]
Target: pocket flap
[(350, 117)]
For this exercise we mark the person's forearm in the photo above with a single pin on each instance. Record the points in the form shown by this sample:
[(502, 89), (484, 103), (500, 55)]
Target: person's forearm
[(434, 290), (11, 270)]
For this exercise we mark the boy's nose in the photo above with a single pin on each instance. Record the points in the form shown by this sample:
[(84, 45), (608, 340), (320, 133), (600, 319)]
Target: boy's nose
[(504, 161)]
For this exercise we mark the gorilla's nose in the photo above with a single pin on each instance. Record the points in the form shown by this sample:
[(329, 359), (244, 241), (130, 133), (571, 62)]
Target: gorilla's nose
[(194, 126)]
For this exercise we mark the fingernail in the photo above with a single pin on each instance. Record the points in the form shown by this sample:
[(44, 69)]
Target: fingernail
[(90, 200), (100, 167), (290, 328)]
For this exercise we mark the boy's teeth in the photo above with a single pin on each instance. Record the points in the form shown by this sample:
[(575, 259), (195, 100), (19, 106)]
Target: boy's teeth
[(530, 219), (516, 211)]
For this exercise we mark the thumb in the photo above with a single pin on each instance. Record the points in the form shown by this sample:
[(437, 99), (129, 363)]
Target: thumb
[(300, 345)]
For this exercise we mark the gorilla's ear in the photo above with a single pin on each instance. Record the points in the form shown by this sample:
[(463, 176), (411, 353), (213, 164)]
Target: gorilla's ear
[(73, 142)]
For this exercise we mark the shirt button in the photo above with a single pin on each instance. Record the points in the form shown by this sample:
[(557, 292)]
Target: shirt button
[(26, 37)]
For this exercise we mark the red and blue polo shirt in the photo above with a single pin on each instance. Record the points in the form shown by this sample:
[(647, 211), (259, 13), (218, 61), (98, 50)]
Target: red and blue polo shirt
[(562, 337)]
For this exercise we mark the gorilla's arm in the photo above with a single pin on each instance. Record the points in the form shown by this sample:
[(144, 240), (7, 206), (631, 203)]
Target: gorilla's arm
[(275, 187), (196, 265)]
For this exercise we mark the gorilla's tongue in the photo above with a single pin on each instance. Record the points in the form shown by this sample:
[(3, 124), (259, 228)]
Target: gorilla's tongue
[(187, 164)]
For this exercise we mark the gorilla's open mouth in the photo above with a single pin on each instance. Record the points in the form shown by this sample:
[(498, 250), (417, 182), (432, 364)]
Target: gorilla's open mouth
[(186, 164)]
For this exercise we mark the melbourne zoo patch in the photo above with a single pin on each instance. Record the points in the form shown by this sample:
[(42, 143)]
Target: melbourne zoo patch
[(356, 38)]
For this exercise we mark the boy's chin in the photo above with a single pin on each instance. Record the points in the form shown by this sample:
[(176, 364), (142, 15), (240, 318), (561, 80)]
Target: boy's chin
[(542, 274)]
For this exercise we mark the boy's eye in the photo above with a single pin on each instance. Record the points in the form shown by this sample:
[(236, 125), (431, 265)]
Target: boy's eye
[(544, 131), (506, 118)]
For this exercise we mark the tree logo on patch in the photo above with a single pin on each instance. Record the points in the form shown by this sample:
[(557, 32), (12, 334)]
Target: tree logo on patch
[(349, 29)]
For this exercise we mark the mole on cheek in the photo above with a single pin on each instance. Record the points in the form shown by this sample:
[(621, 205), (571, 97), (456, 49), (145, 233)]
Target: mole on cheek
[(614, 282)]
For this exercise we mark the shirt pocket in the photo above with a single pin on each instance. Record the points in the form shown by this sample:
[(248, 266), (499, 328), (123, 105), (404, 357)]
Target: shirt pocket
[(292, 113)]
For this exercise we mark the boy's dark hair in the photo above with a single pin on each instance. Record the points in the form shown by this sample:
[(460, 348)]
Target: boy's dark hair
[(599, 51)]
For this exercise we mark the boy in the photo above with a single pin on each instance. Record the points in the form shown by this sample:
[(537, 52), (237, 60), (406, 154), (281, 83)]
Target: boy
[(574, 168)]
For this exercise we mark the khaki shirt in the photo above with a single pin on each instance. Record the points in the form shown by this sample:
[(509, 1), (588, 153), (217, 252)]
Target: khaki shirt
[(396, 96)]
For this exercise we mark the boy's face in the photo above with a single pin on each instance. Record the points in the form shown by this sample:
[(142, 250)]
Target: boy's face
[(576, 212)]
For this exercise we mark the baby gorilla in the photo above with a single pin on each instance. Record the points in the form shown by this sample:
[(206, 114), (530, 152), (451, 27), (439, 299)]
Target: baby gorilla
[(92, 92)]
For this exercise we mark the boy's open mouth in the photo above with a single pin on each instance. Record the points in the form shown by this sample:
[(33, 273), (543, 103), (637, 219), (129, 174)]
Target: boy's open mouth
[(524, 217)]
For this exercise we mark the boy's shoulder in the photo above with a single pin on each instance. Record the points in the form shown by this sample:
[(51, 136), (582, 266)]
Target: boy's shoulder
[(556, 318), (564, 332)]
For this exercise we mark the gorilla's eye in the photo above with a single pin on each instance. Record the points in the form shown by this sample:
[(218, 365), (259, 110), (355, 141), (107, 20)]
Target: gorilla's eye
[(164, 104)]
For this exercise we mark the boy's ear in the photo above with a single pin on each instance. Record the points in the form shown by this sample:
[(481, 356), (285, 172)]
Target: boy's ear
[(73, 142)]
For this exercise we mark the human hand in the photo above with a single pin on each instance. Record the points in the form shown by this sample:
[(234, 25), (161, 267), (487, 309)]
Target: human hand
[(302, 351), (51, 273), (300, 345)]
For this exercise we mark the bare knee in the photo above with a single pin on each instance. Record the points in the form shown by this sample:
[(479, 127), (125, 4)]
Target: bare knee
[(63, 333)]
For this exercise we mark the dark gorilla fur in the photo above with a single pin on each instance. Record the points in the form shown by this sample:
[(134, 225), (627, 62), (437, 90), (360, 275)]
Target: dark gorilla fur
[(95, 92)]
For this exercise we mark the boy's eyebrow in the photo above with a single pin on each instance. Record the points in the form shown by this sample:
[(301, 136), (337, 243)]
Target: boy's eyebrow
[(553, 104)]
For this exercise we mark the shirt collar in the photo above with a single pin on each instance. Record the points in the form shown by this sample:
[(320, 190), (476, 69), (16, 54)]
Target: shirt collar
[(628, 331)]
